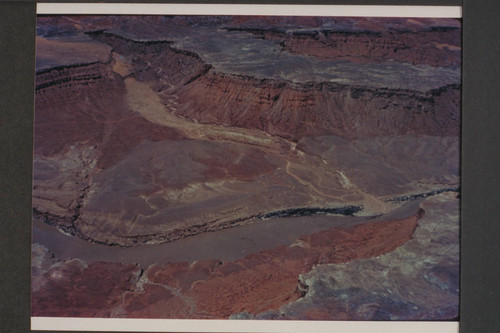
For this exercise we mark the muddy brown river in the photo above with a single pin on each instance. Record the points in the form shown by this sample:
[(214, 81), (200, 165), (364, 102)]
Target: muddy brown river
[(226, 245)]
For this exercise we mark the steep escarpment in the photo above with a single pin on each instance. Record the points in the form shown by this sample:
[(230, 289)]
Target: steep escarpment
[(192, 89), (155, 60), (320, 108)]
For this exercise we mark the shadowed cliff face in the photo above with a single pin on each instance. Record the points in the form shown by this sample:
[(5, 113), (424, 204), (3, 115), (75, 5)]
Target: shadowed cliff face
[(156, 131)]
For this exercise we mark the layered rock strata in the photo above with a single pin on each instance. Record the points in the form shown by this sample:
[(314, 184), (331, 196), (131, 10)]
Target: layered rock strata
[(441, 45), (100, 113), (284, 108), (158, 129)]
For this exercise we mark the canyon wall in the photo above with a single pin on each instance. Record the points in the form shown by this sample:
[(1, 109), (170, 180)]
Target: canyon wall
[(175, 130)]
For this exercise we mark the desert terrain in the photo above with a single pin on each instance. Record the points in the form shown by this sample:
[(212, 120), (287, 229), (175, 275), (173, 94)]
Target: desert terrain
[(246, 167)]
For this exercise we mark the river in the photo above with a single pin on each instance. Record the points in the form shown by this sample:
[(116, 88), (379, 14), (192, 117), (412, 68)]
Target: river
[(226, 245)]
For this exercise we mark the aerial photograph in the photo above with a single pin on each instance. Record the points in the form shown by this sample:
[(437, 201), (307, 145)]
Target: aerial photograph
[(246, 167)]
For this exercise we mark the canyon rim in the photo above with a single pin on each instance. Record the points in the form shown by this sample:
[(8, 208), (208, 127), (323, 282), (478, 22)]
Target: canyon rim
[(246, 167)]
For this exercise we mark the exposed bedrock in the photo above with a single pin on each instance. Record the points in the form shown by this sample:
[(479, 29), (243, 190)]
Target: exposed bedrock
[(208, 288), (150, 130), (156, 59), (76, 49), (417, 281), (82, 126), (189, 88), (431, 41), (436, 47), (134, 169), (311, 109), (417, 41), (190, 187), (112, 169), (284, 108), (85, 104)]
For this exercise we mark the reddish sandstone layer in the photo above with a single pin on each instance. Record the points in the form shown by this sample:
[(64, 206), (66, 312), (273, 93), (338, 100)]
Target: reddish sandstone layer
[(84, 106), (195, 91), (82, 118), (311, 109), (268, 280), (209, 288), (191, 89)]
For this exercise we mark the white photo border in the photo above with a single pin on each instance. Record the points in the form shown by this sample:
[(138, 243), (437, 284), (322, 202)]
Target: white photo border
[(185, 325)]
